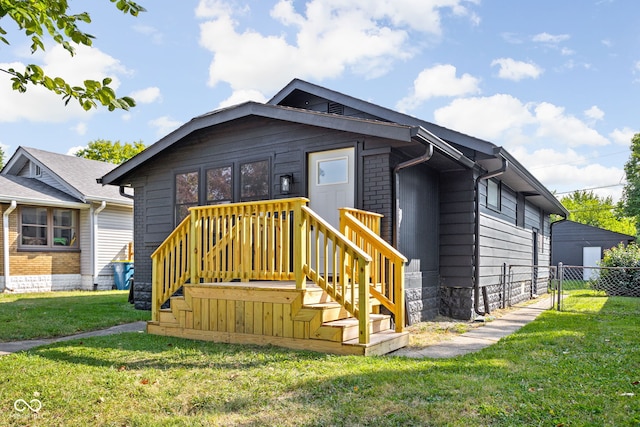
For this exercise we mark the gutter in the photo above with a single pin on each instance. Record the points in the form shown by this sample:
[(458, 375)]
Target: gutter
[(124, 194), (5, 243), (476, 248), (94, 242)]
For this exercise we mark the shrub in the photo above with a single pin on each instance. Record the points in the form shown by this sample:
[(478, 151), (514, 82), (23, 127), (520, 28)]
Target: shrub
[(624, 278)]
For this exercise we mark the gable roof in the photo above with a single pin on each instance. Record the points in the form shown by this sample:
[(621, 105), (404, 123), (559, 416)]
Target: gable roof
[(377, 128), (291, 104), (71, 175), (578, 230), (31, 191), (488, 156)]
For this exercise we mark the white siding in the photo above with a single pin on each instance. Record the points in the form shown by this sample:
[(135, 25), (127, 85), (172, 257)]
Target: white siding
[(84, 233), (115, 232)]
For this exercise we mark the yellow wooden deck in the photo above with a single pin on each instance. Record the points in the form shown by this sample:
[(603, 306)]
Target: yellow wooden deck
[(275, 313), (312, 299)]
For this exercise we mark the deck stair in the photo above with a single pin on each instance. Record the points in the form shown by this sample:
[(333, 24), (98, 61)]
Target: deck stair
[(309, 320), (273, 272)]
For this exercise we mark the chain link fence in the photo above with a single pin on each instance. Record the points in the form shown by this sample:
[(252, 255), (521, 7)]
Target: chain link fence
[(611, 281), (534, 280)]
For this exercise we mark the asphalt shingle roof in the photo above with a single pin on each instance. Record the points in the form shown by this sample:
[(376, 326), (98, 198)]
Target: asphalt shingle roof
[(18, 187)]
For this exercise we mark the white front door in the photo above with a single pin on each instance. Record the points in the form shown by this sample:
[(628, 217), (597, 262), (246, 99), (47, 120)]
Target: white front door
[(331, 186), (332, 183)]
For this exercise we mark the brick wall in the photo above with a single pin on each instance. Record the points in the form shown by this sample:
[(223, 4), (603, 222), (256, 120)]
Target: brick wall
[(35, 263), (377, 193)]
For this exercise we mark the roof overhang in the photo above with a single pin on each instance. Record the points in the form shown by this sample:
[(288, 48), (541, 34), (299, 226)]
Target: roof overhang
[(373, 128), (522, 181)]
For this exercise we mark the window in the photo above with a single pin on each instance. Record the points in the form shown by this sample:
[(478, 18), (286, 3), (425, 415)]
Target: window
[(186, 194), (48, 228), (333, 171), (254, 180), (219, 185), (493, 194)]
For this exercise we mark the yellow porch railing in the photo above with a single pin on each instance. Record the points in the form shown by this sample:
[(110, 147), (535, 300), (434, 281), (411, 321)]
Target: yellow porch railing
[(387, 266), (277, 240)]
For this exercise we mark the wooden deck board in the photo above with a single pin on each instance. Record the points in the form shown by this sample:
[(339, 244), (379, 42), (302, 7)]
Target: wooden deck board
[(271, 313)]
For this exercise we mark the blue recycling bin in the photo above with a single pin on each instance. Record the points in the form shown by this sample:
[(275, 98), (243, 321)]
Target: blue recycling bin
[(122, 274)]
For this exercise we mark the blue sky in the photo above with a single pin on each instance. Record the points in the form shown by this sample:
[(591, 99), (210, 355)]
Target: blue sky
[(556, 83)]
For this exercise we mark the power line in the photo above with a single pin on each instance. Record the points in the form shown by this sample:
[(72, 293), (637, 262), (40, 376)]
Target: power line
[(592, 188)]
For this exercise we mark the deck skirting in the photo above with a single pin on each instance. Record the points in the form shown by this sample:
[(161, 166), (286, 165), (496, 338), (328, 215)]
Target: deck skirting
[(271, 313)]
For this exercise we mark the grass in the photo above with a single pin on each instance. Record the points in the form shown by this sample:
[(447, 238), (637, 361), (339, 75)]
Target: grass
[(55, 314), (573, 368)]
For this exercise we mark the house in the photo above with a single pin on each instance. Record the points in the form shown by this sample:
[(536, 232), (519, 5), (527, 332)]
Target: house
[(455, 206), (576, 244), (60, 229)]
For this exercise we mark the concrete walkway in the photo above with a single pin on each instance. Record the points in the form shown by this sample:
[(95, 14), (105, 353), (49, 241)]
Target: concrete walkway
[(482, 336), (474, 340), (12, 347)]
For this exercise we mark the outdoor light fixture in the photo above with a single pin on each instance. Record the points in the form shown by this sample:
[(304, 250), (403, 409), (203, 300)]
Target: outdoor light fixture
[(285, 183)]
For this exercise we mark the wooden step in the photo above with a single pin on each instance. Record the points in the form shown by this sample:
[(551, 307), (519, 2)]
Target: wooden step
[(347, 329), (324, 312), (380, 343), (167, 318)]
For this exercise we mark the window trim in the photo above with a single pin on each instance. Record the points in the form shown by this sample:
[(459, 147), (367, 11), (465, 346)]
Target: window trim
[(198, 171), (261, 197), (50, 228), (207, 168), (498, 189)]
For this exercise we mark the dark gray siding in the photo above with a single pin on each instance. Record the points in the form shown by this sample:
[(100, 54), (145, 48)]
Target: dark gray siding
[(568, 238), (418, 239), (285, 145), (457, 213)]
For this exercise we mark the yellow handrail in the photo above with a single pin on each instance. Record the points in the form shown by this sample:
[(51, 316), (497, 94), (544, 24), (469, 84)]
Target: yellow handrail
[(370, 220), (253, 241), (339, 267), (170, 266), (387, 267)]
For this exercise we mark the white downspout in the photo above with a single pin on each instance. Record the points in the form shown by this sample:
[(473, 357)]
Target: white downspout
[(5, 243), (94, 242)]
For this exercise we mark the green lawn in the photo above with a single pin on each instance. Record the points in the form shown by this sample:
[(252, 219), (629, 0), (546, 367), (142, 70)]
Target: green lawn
[(55, 314), (574, 368)]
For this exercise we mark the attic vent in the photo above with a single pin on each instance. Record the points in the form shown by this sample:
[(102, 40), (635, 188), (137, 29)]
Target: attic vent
[(36, 172), (335, 108)]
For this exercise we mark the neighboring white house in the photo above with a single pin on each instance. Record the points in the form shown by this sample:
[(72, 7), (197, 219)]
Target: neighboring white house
[(61, 230)]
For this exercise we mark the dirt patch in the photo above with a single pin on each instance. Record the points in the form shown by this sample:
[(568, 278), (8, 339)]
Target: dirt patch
[(444, 328)]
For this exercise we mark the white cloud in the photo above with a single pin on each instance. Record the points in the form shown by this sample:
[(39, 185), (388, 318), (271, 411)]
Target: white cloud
[(164, 125), (490, 118), (623, 136), (80, 128), (567, 171), (241, 96), (511, 69), (364, 37), (73, 150), (550, 38), (440, 80), (41, 105), (555, 125), (594, 113), (505, 120), (147, 96)]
